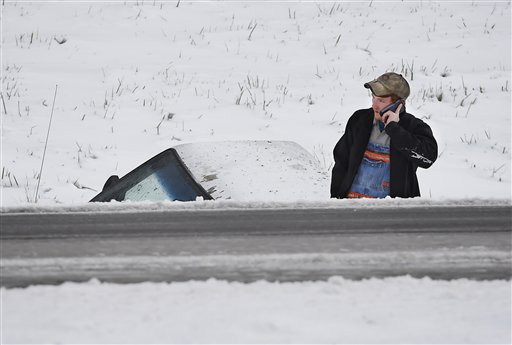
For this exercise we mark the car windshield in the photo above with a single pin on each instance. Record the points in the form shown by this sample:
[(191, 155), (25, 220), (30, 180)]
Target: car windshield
[(163, 177)]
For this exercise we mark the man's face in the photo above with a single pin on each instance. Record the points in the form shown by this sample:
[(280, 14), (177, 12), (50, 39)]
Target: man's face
[(379, 103)]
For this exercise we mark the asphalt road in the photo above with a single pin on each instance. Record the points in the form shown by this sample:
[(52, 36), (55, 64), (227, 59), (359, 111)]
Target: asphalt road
[(247, 245)]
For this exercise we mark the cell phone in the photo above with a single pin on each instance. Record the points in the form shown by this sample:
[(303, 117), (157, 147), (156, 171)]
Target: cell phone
[(393, 107)]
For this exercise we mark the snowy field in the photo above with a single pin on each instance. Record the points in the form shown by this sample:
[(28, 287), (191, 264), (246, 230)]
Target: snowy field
[(133, 78)]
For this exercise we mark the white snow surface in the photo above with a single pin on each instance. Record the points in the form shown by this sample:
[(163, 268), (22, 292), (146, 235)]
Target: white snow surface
[(334, 311), (169, 206), (255, 170), (137, 77)]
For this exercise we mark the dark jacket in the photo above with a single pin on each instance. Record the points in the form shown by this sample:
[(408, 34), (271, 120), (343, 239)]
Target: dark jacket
[(412, 146)]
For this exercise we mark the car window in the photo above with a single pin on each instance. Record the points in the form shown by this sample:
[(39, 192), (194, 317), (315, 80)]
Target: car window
[(158, 186), (163, 177)]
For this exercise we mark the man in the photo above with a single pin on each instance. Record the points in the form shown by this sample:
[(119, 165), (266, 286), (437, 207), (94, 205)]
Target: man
[(379, 153)]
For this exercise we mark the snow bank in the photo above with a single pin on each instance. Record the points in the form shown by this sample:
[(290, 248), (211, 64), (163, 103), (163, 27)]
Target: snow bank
[(393, 310), (128, 206)]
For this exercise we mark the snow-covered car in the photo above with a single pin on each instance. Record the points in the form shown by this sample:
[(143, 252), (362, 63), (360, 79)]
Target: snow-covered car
[(236, 170)]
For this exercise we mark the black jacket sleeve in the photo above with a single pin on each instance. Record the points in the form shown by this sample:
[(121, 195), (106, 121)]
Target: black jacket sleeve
[(341, 159), (349, 150), (414, 139)]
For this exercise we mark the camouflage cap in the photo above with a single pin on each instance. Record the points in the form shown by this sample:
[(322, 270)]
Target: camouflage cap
[(389, 84)]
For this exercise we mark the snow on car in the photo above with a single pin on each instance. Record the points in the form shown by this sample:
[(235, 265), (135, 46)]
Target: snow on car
[(237, 170)]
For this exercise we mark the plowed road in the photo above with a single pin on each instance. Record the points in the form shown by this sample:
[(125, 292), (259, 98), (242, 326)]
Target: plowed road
[(251, 244)]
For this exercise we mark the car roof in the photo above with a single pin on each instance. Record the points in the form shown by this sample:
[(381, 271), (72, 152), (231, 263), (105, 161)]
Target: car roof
[(258, 170)]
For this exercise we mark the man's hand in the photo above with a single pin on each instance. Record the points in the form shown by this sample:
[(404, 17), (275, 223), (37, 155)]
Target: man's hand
[(390, 116)]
